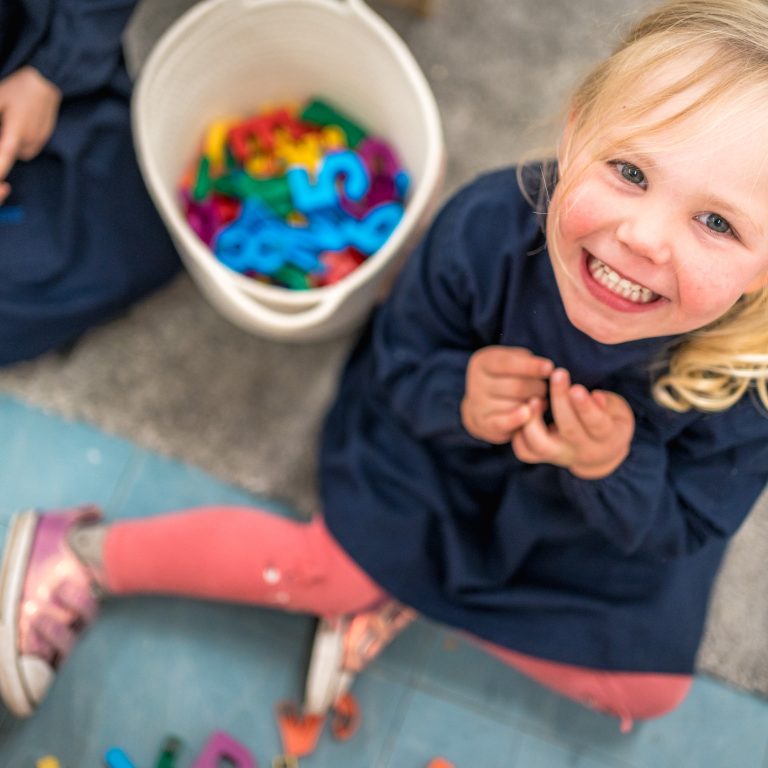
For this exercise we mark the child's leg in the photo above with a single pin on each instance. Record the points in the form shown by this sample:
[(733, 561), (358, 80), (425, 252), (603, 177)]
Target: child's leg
[(53, 563), (237, 554), (626, 695)]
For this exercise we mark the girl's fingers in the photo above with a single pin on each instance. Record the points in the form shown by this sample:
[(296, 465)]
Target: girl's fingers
[(10, 138), (502, 425), (7, 153), (538, 406), (514, 388), (488, 407), (29, 149), (522, 450), (595, 421), (566, 420), (520, 443), (513, 361), (538, 439)]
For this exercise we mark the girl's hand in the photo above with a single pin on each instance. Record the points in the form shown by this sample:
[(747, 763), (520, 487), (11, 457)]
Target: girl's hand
[(500, 382), (29, 106), (590, 435)]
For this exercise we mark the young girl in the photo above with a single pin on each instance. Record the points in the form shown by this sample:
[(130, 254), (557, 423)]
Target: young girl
[(545, 438), (79, 237)]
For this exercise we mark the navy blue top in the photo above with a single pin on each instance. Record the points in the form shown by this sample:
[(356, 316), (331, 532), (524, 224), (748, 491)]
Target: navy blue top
[(612, 573), (79, 236), (76, 44)]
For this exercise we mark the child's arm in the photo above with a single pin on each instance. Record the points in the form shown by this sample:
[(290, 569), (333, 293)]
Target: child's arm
[(82, 49), (662, 484), (590, 434), (500, 382), (29, 105), (80, 54), (444, 309)]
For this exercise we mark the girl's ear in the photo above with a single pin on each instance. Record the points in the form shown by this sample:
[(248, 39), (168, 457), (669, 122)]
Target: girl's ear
[(760, 282)]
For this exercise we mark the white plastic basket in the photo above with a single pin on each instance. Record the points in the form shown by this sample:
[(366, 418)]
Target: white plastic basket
[(229, 57)]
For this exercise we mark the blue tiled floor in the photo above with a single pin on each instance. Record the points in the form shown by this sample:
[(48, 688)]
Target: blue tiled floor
[(151, 667)]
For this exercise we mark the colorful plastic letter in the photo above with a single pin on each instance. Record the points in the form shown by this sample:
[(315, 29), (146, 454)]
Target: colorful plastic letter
[(168, 752), (215, 145), (379, 157), (328, 231), (389, 182), (308, 197), (116, 758), (305, 151), (372, 232), (220, 746), (293, 278), (321, 113), (351, 169), (339, 264), (203, 217), (261, 243), (240, 250), (204, 180), (49, 761), (333, 138)]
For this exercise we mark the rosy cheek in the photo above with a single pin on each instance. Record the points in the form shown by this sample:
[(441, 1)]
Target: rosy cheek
[(705, 300), (580, 214)]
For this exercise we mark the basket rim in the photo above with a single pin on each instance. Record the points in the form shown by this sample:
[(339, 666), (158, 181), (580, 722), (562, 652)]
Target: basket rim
[(165, 199)]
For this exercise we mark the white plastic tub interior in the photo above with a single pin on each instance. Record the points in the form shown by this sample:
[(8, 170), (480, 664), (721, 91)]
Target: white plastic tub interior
[(234, 57)]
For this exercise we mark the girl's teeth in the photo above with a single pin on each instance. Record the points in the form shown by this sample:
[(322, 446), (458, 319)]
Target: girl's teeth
[(619, 285)]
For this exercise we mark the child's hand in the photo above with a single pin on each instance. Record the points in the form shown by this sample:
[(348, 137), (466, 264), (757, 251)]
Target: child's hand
[(590, 435), (29, 106), (500, 382)]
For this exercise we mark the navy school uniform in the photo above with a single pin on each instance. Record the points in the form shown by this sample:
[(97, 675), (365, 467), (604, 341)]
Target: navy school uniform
[(79, 236), (613, 573)]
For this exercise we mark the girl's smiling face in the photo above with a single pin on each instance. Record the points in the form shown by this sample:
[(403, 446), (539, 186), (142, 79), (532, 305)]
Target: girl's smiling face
[(663, 238)]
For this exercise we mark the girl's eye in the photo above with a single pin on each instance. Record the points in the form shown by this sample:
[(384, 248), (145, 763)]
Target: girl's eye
[(629, 172), (716, 223)]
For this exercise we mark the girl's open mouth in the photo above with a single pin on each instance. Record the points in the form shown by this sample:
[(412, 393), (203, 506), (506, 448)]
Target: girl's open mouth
[(615, 290)]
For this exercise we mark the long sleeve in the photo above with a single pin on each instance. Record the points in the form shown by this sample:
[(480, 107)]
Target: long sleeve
[(591, 573), (444, 307), (674, 493), (81, 49)]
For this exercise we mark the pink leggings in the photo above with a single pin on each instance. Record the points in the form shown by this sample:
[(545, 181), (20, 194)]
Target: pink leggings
[(251, 556)]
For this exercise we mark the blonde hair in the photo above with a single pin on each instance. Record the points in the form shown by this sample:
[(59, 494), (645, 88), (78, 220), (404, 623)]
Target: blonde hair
[(712, 368)]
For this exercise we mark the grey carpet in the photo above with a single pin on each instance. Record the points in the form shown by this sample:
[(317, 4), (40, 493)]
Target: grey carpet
[(175, 377)]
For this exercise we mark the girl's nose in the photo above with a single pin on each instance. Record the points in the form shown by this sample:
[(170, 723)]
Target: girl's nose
[(648, 238)]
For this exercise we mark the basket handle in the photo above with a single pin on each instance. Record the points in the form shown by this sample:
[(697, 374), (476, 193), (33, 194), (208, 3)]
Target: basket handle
[(264, 318)]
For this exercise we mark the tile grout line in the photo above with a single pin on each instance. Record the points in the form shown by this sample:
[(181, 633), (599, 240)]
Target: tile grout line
[(388, 744), (409, 689), (127, 478)]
